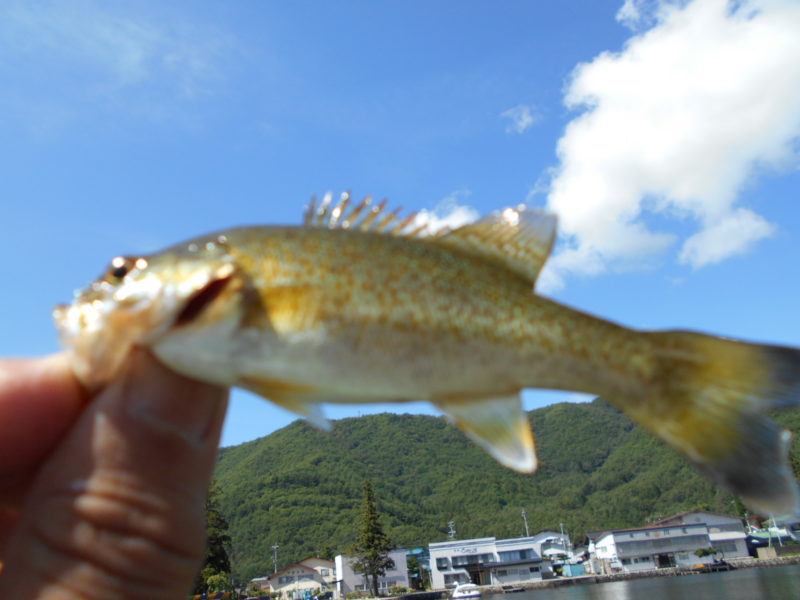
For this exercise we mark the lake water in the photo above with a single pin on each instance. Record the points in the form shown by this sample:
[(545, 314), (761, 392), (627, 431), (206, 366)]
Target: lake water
[(773, 583)]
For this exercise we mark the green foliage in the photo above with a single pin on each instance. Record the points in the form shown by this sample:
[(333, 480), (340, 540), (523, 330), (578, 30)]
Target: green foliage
[(254, 589), (396, 590), (219, 582), (302, 489), (420, 578), (217, 562), (705, 552), (371, 550)]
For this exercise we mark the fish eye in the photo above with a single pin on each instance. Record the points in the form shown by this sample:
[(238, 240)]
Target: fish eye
[(121, 266)]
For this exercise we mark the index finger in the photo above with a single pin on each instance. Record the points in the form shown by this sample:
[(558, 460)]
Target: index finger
[(40, 398)]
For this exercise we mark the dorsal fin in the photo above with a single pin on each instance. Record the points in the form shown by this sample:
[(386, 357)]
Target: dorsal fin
[(364, 216), (520, 238)]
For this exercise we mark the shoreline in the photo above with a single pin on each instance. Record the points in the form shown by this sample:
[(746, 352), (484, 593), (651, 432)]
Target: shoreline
[(736, 563)]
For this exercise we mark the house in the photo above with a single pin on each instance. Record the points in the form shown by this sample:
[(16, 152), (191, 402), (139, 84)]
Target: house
[(301, 580), (552, 545), (487, 561), (726, 532), (348, 581), (650, 547)]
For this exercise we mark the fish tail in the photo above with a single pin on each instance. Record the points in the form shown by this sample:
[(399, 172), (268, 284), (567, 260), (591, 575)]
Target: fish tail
[(709, 397)]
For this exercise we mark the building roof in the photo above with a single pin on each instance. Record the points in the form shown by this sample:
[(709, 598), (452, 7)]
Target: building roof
[(681, 515), (600, 533), (301, 564), (723, 536)]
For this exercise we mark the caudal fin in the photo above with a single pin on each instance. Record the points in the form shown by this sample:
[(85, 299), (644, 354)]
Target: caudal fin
[(709, 400)]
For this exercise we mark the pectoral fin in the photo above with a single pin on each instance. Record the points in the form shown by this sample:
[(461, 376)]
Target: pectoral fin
[(301, 400), (497, 424)]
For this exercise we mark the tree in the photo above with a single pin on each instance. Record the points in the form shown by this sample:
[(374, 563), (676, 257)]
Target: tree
[(420, 579), (217, 562), (219, 582), (371, 550)]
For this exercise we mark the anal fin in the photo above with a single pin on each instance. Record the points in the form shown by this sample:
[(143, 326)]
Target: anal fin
[(300, 399), (498, 424)]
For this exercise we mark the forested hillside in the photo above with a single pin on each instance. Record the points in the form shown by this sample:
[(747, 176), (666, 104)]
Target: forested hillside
[(302, 489)]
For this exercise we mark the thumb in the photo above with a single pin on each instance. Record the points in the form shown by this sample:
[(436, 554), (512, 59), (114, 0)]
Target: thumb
[(118, 510)]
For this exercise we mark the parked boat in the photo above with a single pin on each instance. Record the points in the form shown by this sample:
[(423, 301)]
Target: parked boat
[(466, 590)]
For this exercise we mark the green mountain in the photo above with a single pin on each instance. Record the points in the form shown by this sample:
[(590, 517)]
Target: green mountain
[(302, 489)]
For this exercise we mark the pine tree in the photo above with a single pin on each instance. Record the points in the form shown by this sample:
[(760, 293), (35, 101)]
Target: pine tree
[(371, 550)]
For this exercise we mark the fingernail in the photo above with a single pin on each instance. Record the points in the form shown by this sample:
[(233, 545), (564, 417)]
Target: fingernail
[(170, 402)]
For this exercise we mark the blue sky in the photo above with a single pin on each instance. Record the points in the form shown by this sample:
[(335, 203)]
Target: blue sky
[(665, 134)]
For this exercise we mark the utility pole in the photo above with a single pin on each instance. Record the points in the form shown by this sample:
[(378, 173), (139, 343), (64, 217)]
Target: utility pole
[(275, 558), (525, 520)]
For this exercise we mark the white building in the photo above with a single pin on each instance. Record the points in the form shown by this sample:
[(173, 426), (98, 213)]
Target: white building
[(552, 545), (487, 561), (726, 532), (300, 580), (650, 548), (348, 581)]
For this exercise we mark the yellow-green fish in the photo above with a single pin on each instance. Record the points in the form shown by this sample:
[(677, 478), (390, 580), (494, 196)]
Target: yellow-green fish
[(357, 305)]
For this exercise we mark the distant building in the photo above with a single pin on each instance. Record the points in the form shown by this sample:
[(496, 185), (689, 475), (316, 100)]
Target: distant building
[(488, 561), (726, 532), (552, 545), (348, 581), (300, 580), (649, 547)]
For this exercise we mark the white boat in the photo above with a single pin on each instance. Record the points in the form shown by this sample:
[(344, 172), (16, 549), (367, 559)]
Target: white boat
[(466, 590)]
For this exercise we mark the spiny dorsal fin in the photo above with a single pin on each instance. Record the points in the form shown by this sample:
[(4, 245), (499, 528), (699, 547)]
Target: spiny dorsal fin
[(520, 238), (364, 216)]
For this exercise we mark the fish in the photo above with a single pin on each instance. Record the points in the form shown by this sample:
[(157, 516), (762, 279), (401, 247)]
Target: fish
[(361, 305)]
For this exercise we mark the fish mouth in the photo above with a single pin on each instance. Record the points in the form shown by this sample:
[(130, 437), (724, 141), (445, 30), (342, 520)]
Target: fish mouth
[(200, 300)]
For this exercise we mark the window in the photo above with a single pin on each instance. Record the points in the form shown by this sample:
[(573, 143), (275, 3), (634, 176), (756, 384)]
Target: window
[(460, 561), (502, 573), (626, 561), (512, 555), (726, 546), (471, 559), (442, 564), (534, 569)]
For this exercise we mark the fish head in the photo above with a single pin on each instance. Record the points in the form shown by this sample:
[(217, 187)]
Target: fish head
[(140, 300)]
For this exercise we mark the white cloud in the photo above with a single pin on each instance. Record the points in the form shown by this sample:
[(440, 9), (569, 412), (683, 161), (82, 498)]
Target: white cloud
[(675, 124), (733, 234), (92, 56), (522, 118), (450, 213), (636, 14)]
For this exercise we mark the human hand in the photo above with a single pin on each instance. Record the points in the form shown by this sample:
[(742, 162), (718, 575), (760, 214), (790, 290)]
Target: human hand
[(103, 499)]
